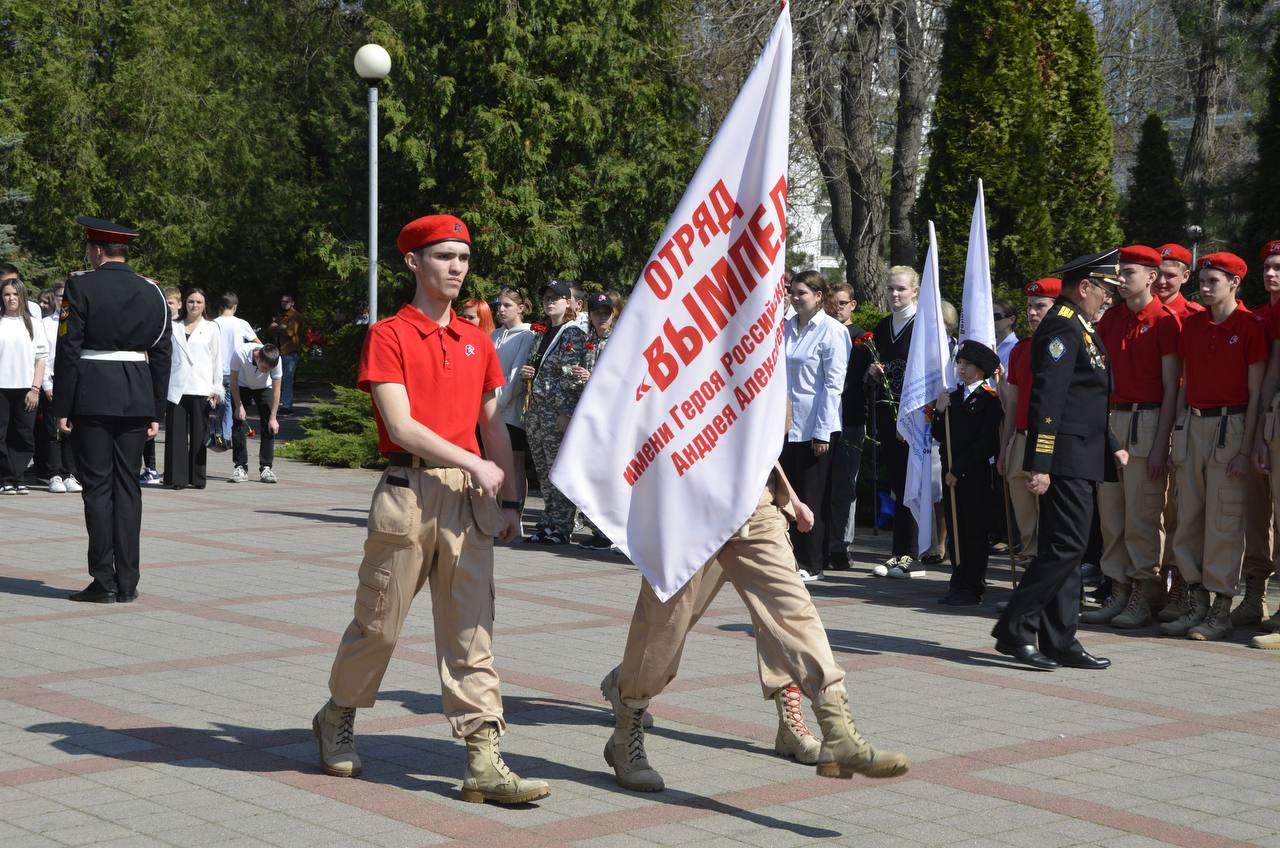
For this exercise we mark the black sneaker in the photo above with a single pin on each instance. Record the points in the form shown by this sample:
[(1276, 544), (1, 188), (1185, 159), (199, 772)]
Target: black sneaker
[(597, 542)]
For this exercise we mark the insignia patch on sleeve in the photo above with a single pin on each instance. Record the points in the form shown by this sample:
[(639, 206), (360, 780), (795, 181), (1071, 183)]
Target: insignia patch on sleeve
[(1056, 347), (1044, 443), (1066, 311)]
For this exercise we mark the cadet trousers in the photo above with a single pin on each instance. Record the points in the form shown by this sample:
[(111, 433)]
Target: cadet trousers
[(791, 643), (108, 451), (426, 526), (1026, 506), (1208, 546), (969, 546), (186, 449), (1259, 538), (1045, 605), (1130, 510)]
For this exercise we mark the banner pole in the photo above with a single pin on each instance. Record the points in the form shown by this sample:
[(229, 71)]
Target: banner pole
[(955, 521)]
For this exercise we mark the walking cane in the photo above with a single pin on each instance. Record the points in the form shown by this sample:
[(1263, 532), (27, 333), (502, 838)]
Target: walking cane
[(1008, 522)]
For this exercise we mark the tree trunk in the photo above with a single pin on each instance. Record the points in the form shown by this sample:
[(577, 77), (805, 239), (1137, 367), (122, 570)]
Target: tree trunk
[(1195, 167), (913, 105)]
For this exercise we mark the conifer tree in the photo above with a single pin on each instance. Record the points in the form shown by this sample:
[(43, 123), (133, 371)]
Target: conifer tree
[(1155, 211), (1264, 201)]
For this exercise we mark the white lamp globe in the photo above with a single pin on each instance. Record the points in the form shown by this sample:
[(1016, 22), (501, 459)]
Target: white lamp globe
[(373, 62)]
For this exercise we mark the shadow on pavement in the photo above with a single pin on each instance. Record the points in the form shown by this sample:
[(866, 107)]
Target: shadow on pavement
[(362, 520), (31, 588)]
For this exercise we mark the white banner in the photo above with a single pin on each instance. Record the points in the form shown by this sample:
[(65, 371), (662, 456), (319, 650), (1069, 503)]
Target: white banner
[(926, 375), (977, 318), (675, 435)]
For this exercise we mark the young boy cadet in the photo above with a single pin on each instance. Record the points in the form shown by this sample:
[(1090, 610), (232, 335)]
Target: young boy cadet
[(1266, 440), (255, 370), (974, 414), (1141, 337), (1223, 352), (434, 515)]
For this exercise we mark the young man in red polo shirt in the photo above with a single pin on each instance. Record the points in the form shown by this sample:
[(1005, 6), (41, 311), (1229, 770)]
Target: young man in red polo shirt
[(1016, 394), (1141, 337), (1267, 441), (434, 515), (1174, 272), (1223, 352)]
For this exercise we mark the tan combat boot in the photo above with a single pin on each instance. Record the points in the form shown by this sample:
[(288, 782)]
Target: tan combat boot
[(1253, 607), (1197, 607), (624, 752), (1217, 624), (794, 739), (489, 779), (609, 688), (1115, 605), (334, 727), (1270, 642), (844, 751), (1137, 613), (1176, 606)]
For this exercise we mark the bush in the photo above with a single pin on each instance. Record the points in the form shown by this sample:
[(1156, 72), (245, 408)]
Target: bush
[(341, 359), (341, 433)]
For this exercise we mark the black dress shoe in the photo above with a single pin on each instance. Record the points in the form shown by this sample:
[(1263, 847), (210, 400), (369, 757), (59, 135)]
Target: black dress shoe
[(91, 595), (838, 562), (1082, 659), (1027, 655), (960, 599), (126, 597)]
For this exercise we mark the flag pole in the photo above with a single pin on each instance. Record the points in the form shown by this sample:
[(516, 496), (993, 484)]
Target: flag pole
[(955, 521)]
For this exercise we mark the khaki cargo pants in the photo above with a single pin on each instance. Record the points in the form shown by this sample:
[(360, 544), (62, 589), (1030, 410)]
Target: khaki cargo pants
[(1130, 510), (791, 644), (1208, 546), (426, 526), (1026, 506)]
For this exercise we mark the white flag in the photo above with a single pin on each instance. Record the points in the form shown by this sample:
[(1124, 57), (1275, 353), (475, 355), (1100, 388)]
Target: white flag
[(977, 318), (924, 379), (675, 435)]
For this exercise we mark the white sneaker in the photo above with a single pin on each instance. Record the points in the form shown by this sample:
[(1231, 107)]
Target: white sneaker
[(72, 484), (882, 570), (907, 568), (266, 475), (239, 474), (807, 577), (56, 486)]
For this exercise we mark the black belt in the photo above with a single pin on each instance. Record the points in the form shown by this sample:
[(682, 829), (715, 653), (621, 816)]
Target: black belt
[(1133, 407), (408, 460), (1216, 411)]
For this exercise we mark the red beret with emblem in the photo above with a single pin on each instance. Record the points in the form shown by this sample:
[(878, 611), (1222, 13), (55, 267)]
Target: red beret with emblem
[(1271, 248), (431, 229), (1140, 254), (1176, 252), (1046, 287), (1227, 262)]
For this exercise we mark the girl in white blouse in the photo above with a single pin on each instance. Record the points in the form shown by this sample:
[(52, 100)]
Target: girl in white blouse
[(22, 352), (195, 387)]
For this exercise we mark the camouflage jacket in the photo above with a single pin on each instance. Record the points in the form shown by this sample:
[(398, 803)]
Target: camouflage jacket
[(554, 388)]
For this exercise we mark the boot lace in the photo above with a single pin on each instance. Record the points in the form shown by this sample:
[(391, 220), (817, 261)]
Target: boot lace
[(791, 709), (346, 727), (635, 737), (1136, 597)]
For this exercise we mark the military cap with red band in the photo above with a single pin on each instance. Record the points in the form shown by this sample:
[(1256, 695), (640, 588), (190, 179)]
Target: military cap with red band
[(1271, 248), (1176, 252), (101, 230), (1226, 262), (1046, 287), (431, 229), (1140, 254)]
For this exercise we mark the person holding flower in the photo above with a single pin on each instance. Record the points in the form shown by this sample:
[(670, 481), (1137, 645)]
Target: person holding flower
[(553, 392)]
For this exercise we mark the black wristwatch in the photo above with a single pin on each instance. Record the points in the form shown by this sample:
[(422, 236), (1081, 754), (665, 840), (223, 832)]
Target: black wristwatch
[(516, 505)]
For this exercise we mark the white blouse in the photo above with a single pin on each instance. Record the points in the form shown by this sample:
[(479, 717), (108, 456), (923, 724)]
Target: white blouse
[(196, 365), (19, 352), (817, 359)]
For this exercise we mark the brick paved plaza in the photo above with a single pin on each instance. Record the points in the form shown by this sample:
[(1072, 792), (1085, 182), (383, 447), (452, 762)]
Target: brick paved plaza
[(184, 719)]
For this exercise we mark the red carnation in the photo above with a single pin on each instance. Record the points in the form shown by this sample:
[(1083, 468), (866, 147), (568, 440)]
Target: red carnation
[(568, 347), (590, 346), (538, 328), (866, 337)]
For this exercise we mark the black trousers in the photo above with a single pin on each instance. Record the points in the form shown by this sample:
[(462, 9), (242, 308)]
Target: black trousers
[(108, 450), (1046, 604), (896, 454), (149, 454), (54, 454), (808, 474), (16, 426), (842, 486), (972, 496), (266, 440), (186, 426)]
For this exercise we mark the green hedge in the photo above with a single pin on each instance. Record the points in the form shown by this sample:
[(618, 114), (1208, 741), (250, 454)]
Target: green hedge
[(341, 433)]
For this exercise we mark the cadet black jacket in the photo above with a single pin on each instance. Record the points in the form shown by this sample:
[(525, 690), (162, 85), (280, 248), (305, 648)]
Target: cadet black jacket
[(1068, 431), (112, 309), (975, 432)]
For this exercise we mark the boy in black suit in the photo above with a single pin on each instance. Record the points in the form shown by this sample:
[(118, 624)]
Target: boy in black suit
[(975, 413)]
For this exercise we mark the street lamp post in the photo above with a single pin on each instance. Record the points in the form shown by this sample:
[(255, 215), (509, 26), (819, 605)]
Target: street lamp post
[(373, 64), (1195, 232)]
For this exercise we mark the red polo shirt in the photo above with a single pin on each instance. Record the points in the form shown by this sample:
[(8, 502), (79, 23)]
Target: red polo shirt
[(1135, 342), (1270, 318), (1216, 357), (445, 371), (1020, 376), (1182, 307)]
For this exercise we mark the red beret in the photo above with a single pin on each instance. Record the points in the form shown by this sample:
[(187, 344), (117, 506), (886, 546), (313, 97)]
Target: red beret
[(430, 229), (1176, 252), (1047, 287), (1140, 254), (1271, 248), (1228, 262)]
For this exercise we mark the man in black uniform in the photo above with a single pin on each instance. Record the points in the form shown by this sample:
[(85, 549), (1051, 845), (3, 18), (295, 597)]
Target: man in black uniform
[(109, 393), (1070, 449)]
